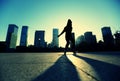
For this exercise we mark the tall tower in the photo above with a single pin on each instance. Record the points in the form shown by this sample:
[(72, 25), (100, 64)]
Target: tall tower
[(39, 40), (11, 38), (24, 33), (55, 41), (107, 36)]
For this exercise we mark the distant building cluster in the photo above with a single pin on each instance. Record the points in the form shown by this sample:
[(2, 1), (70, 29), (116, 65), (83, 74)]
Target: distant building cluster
[(88, 37), (87, 41), (39, 38)]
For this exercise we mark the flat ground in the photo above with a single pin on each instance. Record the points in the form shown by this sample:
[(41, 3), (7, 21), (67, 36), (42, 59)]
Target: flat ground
[(94, 66)]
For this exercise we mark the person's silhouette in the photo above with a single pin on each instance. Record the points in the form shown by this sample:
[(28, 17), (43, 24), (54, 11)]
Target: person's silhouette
[(68, 36)]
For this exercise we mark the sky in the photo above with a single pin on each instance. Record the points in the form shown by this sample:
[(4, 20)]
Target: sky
[(86, 15)]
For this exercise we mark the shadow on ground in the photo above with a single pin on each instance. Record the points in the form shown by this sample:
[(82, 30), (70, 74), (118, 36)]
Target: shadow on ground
[(62, 70), (106, 71)]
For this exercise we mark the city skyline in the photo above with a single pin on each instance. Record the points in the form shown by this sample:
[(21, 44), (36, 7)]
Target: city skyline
[(39, 37), (86, 15), (83, 42)]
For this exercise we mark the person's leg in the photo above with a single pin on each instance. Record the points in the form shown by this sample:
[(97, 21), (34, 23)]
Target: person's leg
[(66, 46)]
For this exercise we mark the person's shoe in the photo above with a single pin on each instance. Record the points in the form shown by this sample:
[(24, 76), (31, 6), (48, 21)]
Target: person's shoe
[(74, 53)]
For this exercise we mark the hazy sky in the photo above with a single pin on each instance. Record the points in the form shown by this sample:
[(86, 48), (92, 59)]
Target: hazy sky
[(86, 15)]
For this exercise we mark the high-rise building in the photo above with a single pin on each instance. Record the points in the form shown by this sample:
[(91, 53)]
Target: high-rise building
[(107, 36), (39, 40), (11, 38), (55, 41), (24, 33), (90, 38)]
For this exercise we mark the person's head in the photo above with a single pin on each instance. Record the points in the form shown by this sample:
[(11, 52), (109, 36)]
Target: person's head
[(69, 23)]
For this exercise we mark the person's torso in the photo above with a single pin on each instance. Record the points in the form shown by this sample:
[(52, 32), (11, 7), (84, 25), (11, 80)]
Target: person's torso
[(68, 32)]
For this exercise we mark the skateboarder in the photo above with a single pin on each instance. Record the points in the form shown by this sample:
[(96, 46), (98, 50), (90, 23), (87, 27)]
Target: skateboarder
[(68, 36)]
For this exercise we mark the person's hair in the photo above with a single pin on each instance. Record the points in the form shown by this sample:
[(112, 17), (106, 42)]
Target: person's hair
[(69, 23)]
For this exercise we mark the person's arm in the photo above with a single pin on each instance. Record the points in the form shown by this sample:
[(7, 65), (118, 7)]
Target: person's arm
[(61, 33)]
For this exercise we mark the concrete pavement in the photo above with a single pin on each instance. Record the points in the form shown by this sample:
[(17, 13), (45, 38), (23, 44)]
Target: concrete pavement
[(104, 66)]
